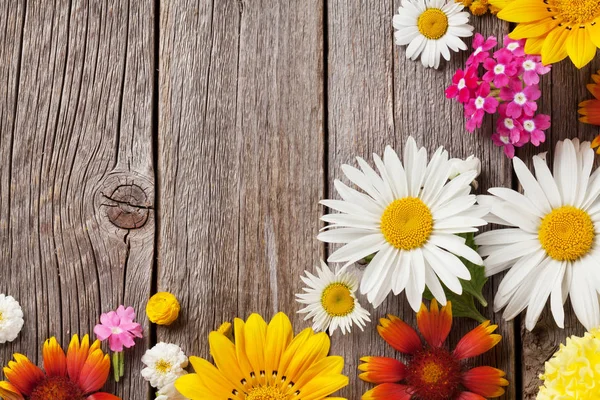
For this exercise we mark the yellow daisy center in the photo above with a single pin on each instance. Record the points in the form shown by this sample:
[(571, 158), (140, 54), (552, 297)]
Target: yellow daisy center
[(567, 233), (407, 223), (578, 11), (162, 366), (266, 393), (1, 317), (433, 23), (337, 300)]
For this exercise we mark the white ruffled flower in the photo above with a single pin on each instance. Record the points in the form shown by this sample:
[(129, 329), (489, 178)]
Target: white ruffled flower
[(170, 393), (165, 362), (11, 318), (459, 166)]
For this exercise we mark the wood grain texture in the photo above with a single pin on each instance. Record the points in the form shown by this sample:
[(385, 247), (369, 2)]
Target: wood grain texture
[(562, 90), (80, 127), (240, 159)]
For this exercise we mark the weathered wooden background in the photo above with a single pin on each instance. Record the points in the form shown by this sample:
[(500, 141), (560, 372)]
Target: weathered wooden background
[(184, 146)]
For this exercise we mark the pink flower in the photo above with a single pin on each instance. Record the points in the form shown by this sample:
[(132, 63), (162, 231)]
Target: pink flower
[(521, 100), (535, 127), (507, 125), (464, 84), (478, 106), (500, 71), (119, 328), (481, 47), (503, 141), (516, 48), (532, 69)]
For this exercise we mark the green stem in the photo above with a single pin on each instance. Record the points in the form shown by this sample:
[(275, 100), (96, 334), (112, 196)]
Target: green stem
[(116, 369), (122, 364)]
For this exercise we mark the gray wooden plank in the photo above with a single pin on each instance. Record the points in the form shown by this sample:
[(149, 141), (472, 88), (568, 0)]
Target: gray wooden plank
[(82, 128), (562, 90), (240, 159), (377, 97)]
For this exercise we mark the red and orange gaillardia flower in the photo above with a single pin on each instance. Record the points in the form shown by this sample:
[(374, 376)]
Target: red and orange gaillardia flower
[(432, 372), (590, 109), (77, 375)]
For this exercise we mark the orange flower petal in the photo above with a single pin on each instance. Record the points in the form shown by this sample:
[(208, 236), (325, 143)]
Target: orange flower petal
[(381, 370), (399, 335), (595, 142), (485, 381), (9, 392), (94, 372), (23, 374), (433, 324), (76, 356), (55, 360), (388, 391), (470, 396), (103, 396), (477, 342)]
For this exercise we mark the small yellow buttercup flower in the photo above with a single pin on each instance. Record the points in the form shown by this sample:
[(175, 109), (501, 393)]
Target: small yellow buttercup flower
[(574, 370), (162, 308)]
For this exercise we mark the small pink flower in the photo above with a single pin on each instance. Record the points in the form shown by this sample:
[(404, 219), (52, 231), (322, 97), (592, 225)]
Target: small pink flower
[(477, 107), (464, 84), (481, 47), (507, 125), (119, 328), (500, 71), (521, 100), (503, 141), (514, 47), (535, 127), (532, 69)]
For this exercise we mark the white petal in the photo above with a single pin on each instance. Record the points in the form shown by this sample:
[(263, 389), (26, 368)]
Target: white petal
[(433, 283), (358, 249), (396, 172), (401, 272), (456, 245), (517, 217), (517, 200), (503, 236), (342, 235), (584, 300), (567, 172), (414, 49), (546, 181), (447, 267), (377, 269), (531, 186), (546, 281), (512, 252)]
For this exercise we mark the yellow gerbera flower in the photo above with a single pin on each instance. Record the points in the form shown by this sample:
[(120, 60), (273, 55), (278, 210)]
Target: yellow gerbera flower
[(556, 28), (573, 371), (265, 362)]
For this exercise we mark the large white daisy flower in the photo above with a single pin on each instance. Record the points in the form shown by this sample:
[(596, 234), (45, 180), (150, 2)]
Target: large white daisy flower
[(165, 362), (11, 319), (408, 217), (431, 28), (551, 247), (331, 300)]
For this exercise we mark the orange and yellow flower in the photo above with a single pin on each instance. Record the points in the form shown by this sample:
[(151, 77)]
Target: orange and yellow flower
[(77, 375), (432, 372), (556, 28), (590, 109)]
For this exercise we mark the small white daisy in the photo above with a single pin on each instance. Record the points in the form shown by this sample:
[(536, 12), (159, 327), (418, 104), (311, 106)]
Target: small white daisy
[(165, 362), (11, 319), (551, 248), (408, 218), (459, 166), (331, 300), (431, 28), (170, 393)]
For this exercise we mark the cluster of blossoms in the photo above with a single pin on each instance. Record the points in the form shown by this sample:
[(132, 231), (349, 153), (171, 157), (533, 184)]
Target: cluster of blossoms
[(479, 7), (509, 87)]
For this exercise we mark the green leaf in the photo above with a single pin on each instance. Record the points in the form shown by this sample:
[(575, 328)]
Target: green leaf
[(464, 305)]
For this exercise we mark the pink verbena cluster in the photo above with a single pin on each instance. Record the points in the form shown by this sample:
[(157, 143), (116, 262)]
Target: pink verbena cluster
[(508, 87)]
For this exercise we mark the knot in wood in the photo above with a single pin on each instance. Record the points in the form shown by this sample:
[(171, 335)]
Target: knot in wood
[(128, 207)]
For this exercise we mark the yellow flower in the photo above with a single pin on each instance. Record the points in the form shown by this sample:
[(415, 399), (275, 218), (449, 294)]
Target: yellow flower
[(480, 7), (574, 370), (556, 28), (162, 308), (265, 362)]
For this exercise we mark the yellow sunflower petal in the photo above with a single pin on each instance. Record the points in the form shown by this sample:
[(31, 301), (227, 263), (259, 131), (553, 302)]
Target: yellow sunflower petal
[(525, 11), (533, 29), (288, 355), (223, 351), (323, 386), (594, 29), (192, 387), (534, 45), (210, 377), (555, 46), (332, 365), (255, 333), (279, 336), (240, 348), (580, 48), (315, 349)]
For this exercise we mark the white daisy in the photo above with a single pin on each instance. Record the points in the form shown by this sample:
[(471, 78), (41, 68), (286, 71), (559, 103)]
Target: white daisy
[(169, 393), (431, 28), (11, 319), (331, 301), (551, 247), (165, 363), (408, 217)]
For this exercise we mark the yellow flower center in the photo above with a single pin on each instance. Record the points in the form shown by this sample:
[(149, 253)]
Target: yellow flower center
[(567, 233), (1, 317), (266, 393), (577, 11), (432, 372), (337, 300), (163, 366), (433, 23), (407, 223)]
